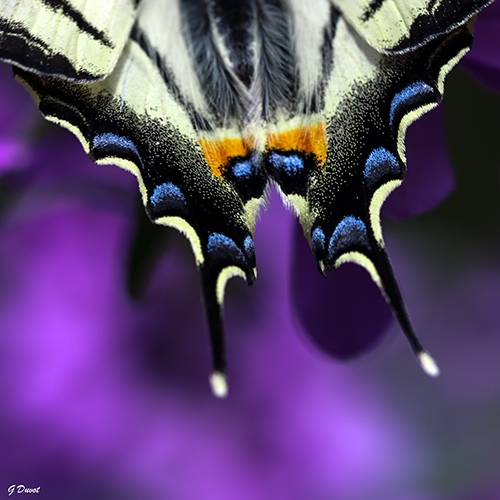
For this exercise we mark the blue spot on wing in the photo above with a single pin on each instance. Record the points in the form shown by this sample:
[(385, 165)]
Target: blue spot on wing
[(109, 141), (379, 164), (223, 245), (249, 247), (244, 169), (318, 240), (350, 233), (167, 195), (291, 164), (408, 96)]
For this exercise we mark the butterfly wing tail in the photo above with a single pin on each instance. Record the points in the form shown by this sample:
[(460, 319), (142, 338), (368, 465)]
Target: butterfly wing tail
[(225, 260), (370, 100), (390, 289)]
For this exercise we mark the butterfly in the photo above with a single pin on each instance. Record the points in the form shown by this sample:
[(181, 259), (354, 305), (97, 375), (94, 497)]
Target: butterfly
[(209, 102)]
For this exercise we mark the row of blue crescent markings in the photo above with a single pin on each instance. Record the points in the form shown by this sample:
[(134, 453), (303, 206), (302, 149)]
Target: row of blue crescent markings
[(350, 233), (379, 164), (167, 195), (404, 98), (110, 140), (290, 164), (222, 244)]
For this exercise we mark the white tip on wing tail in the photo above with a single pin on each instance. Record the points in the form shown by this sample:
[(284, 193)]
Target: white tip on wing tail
[(428, 364), (218, 383)]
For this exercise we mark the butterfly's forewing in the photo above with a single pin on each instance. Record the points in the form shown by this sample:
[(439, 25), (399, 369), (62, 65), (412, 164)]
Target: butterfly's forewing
[(77, 39), (400, 26)]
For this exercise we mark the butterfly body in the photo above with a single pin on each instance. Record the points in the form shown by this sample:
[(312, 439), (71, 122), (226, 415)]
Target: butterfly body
[(208, 102)]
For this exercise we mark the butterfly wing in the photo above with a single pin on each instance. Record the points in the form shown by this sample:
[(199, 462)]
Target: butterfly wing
[(400, 26), (77, 39), (369, 100), (153, 117)]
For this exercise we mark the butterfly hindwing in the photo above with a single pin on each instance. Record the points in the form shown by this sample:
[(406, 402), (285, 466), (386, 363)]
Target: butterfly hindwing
[(370, 100), (203, 180), (356, 157)]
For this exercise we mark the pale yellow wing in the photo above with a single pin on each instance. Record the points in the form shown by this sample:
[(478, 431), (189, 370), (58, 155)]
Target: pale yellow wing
[(402, 25), (75, 39)]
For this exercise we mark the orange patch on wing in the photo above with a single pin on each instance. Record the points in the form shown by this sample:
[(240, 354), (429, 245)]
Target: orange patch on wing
[(310, 139), (218, 153)]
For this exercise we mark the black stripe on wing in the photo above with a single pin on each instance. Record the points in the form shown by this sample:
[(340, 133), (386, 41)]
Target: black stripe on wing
[(315, 102), (18, 44), (138, 35), (234, 22), (373, 7), (77, 17), (277, 62), (440, 17), (225, 94), (448, 15)]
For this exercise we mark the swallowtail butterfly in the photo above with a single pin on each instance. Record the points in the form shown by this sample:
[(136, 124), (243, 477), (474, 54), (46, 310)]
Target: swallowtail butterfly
[(208, 102)]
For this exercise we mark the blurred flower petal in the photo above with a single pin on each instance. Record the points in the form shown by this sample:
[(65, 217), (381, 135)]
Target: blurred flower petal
[(429, 178), (483, 61), (87, 419), (13, 154), (344, 314)]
